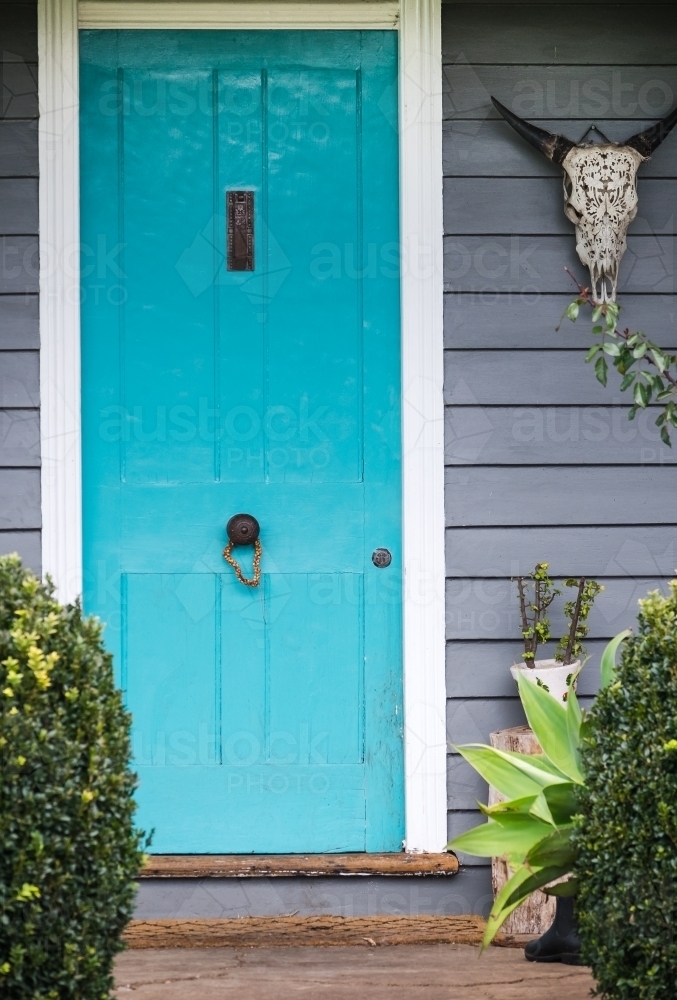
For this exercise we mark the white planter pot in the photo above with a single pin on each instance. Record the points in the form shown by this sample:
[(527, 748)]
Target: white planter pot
[(552, 675)]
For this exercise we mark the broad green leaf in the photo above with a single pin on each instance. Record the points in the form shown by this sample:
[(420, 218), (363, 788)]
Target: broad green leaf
[(540, 761), (595, 349), (601, 369), (536, 880), (628, 380), (548, 719), (665, 437), (639, 351), (572, 311), (522, 805), (501, 909), (608, 662), (568, 888), (506, 772), (562, 802), (613, 350), (597, 329), (574, 720), (506, 834), (596, 313), (556, 849)]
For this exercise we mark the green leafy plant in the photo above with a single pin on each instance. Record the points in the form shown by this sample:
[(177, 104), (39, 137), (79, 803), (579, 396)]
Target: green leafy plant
[(535, 626), (626, 841), (570, 646), (69, 848), (534, 827), (646, 369)]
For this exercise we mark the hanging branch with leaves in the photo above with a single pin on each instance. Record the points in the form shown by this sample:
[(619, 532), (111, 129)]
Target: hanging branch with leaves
[(645, 367)]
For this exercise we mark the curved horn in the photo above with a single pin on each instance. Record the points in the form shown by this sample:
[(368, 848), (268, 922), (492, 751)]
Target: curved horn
[(555, 147), (650, 139)]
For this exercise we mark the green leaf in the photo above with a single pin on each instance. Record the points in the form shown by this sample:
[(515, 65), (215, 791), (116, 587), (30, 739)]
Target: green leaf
[(596, 313), (659, 359), (639, 351), (601, 369), (564, 889), (665, 437), (507, 900), (506, 772), (505, 834), (628, 380), (595, 349), (548, 718), (572, 311), (613, 350), (522, 805), (608, 661), (598, 329), (555, 849), (562, 801), (639, 394)]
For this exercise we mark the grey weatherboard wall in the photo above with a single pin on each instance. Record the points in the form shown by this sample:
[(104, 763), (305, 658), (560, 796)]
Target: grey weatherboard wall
[(19, 333), (541, 461)]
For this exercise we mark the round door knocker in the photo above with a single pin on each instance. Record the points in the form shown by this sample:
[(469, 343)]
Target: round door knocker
[(381, 558), (243, 529)]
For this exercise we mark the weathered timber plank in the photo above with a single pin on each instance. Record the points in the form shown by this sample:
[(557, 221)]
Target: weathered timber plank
[(19, 87), (551, 435), (19, 265), (494, 553), (469, 788), (587, 94), (19, 378), (19, 31), (485, 147), (19, 322), (480, 669), (531, 33), (27, 544), (524, 378), (20, 499), (18, 149), (562, 496), (509, 319), (533, 265), (18, 205), (534, 205), (287, 865), (321, 931), (488, 609), (19, 438)]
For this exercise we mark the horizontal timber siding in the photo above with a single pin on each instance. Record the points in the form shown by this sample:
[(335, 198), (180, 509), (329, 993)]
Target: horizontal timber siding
[(542, 462), (20, 515)]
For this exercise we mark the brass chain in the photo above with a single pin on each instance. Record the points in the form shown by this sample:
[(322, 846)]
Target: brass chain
[(256, 579)]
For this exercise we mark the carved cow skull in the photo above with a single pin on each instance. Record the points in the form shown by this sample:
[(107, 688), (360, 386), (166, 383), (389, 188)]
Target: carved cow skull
[(600, 191)]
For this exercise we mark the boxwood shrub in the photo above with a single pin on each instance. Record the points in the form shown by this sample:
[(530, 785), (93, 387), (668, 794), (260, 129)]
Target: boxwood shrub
[(68, 847), (627, 906)]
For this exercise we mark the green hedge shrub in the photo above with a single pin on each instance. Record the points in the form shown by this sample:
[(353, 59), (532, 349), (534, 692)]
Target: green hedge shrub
[(627, 906), (68, 847)]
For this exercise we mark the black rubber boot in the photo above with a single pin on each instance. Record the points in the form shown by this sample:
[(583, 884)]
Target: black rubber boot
[(560, 943)]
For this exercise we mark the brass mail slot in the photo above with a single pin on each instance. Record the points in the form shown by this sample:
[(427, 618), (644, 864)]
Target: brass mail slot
[(240, 230)]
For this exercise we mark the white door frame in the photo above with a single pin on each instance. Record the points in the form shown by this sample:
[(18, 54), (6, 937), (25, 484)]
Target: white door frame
[(418, 22)]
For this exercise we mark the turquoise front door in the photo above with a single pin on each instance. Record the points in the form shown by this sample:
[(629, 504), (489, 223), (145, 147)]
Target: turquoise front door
[(257, 373)]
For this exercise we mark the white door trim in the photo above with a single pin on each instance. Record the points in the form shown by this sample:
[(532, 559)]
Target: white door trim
[(254, 14), (422, 330)]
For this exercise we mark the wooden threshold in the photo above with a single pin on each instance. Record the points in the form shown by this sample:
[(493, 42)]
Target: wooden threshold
[(288, 865), (292, 931)]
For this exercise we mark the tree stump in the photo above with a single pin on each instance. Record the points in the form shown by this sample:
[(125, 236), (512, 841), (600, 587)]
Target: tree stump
[(536, 913)]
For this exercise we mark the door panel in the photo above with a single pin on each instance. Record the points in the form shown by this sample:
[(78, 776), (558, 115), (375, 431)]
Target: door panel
[(269, 718)]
